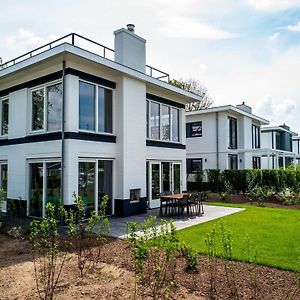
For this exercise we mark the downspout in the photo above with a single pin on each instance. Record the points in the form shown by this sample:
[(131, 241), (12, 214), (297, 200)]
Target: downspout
[(62, 181), (217, 139)]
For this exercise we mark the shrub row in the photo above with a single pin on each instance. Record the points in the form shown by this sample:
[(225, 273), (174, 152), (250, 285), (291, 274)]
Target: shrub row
[(245, 180)]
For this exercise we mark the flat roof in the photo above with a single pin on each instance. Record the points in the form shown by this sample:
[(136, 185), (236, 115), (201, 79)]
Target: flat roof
[(277, 128), (227, 108), (75, 50)]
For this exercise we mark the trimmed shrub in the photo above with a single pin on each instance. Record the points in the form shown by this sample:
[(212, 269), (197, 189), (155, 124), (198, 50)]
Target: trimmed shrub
[(214, 179)]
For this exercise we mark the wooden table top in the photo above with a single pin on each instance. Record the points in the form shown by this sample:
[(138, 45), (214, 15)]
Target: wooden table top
[(175, 196)]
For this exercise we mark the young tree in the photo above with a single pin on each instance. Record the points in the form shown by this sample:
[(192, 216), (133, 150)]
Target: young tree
[(194, 86)]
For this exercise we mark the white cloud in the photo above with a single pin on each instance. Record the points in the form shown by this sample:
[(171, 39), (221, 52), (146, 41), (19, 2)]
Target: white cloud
[(274, 36), (183, 27), (295, 27), (25, 40), (273, 5)]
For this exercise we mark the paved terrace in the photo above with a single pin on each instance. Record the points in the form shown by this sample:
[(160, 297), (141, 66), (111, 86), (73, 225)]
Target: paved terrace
[(118, 225)]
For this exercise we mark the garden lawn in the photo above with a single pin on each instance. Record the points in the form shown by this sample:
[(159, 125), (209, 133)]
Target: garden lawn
[(274, 234)]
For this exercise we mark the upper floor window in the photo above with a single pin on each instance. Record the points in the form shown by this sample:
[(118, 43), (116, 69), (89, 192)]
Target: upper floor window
[(255, 137), (95, 108), (194, 129), (46, 108), (162, 122), (232, 133), (4, 107)]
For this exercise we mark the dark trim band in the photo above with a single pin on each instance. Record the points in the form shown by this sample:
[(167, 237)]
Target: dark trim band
[(54, 136), (161, 144), (164, 101), (58, 75)]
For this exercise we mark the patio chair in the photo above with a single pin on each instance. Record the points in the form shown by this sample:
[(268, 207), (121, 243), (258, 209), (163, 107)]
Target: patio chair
[(200, 203), (182, 204), (193, 203)]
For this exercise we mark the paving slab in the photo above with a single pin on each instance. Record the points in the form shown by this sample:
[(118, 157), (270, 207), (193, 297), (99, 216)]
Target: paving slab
[(118, 225)]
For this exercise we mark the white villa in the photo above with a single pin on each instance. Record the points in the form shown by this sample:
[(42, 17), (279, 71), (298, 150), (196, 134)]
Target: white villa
[(78, 116), (225, 137), (278, 142)]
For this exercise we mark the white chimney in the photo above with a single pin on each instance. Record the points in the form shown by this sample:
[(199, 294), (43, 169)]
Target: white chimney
[(130, 49)]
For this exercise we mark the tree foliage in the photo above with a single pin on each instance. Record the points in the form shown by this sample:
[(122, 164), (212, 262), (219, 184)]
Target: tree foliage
[(194, 86)]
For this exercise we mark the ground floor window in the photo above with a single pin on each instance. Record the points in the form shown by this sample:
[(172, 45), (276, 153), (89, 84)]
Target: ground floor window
[(163, 176), (44, 186), (95, 181), (194, 164), (3, 181), (232, 162), (256, 162)]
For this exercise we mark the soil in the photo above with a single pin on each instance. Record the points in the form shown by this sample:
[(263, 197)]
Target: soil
[(244, 199), (114, 278)]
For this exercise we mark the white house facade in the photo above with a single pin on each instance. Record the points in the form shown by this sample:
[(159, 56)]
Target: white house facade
[(73, 120), (280, 148), (296, 148), (225, 137)]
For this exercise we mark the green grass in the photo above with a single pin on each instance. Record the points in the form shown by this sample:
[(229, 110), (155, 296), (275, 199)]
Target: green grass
[(274, 234)]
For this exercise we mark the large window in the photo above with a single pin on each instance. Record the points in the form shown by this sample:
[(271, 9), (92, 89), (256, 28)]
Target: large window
[(232, 124), (3, 181), (95, 181), (4, 107), (162, 122), (255, 137), (46, 108), (44, 186), (95, 108)]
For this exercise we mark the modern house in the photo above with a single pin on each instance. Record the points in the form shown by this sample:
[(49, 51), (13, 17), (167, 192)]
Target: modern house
[(77, 116), (296, 148), (279, 142), (224, 137)]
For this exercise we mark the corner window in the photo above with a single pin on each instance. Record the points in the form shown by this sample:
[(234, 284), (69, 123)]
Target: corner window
[(232, 124), (194, 129), (46, 108), (162, 122), (4, 109), (95, 108), (255, 137)]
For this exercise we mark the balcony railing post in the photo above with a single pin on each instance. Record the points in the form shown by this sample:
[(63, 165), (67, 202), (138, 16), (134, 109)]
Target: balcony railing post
[(73, 39)]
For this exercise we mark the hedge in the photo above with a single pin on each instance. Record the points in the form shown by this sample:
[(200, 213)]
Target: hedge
[(245, 180)]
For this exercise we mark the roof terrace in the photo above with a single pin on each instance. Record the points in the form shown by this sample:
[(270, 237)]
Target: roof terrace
[(84, 43)]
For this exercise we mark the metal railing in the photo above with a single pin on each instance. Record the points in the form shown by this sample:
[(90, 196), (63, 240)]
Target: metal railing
[(86, 44)]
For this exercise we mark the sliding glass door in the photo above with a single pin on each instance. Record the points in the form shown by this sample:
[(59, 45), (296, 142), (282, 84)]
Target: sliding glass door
[(44, 186), (95, 181), (162, 177)]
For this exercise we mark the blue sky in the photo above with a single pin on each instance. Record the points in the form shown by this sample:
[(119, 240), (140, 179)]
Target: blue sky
[(241, 50)]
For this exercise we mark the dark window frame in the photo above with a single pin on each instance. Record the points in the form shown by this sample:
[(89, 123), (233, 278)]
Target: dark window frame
[(232, 131), (190, 163), (231, 162), (255, 136)]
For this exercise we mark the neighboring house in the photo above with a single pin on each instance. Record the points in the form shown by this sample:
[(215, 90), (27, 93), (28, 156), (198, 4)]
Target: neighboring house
[(278, 142), (296, 148), (225, 137), (74, 121)]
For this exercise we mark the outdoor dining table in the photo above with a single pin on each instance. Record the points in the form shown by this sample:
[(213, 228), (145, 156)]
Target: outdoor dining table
[(170, 198)]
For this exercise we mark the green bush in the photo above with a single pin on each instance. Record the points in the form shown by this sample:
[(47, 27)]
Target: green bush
[(214, 179)]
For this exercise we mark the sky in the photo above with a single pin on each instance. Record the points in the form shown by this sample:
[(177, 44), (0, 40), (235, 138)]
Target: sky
[(240, 50)]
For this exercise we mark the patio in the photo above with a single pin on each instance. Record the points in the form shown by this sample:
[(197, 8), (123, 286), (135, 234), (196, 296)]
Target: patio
[(118, 225)]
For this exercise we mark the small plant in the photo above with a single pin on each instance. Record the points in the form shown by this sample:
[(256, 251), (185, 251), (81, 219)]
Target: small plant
[(253, 272), (226, 255), (191, 257), (210, 243), (154, 250), (48, 258), (16, 232), (228, 191), (89, 234)]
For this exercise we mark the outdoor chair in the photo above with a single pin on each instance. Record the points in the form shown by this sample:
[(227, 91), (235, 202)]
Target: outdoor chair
[(193, 203), (200, 203), (182, 204)]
